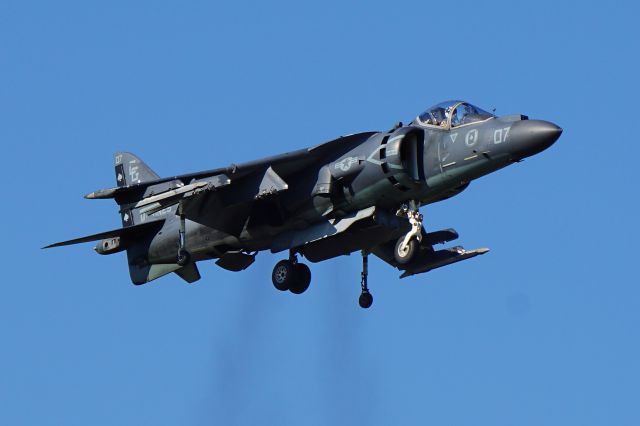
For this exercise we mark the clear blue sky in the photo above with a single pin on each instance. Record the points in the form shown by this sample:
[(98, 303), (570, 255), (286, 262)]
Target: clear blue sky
[(543, 330)]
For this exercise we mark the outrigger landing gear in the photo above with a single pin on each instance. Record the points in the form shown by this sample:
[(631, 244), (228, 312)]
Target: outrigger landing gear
[(366, 299), (407, 246), (183, 255), (289, 274)]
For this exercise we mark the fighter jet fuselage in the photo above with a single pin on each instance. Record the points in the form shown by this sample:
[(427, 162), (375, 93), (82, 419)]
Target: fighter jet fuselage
[(359, 192)]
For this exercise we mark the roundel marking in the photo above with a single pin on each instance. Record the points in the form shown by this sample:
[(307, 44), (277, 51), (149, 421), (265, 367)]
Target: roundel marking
[(471, 138)]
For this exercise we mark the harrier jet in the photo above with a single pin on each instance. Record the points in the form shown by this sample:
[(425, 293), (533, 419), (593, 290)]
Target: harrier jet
[(360, 192)]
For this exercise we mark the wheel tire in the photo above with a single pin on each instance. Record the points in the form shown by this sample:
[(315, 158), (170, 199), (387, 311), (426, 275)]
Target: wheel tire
[(183, 257), (283, 275), (365, 300), (301, 278), (405, 256)]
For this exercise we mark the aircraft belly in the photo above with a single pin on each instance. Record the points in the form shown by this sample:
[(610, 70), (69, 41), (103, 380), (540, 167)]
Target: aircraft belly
[(201, 242), (335, 237)]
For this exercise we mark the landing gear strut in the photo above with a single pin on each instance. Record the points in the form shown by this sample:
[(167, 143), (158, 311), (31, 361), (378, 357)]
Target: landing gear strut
[(183, 255), (291, 275), (366, 299), (407, 246)]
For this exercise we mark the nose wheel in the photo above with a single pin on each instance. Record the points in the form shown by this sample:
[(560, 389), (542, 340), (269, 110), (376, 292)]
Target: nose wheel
[(407, 246)]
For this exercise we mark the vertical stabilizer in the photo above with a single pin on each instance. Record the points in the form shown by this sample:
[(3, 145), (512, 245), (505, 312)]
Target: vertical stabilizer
[(131, 170)]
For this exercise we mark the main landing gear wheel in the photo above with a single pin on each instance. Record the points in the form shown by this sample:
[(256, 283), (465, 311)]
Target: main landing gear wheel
[(301, 278), (290, 275), (282, 275)]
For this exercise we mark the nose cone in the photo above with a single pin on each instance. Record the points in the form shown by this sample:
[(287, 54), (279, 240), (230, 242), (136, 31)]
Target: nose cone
[(529, 137)]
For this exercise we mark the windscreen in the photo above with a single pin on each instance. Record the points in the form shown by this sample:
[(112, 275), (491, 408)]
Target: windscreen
[(466, 113)]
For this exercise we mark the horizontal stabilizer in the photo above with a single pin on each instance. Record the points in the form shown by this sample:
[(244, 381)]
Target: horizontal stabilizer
[(120, 232)]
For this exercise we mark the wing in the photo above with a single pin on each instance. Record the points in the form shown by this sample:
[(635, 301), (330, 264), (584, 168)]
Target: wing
[(224, 198), (335, 237), (427, 257), (284, 165)]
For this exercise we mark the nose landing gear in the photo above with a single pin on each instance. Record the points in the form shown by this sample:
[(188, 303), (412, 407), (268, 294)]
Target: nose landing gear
[(405, 250), (407, 246)]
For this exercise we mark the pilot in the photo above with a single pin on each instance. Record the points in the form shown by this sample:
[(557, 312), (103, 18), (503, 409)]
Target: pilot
[(447, 113), (438, 115)]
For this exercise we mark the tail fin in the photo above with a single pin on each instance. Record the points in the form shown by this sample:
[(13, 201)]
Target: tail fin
[(130, 169)]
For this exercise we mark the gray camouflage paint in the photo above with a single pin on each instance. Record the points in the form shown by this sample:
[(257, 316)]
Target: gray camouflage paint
[(303, 200)]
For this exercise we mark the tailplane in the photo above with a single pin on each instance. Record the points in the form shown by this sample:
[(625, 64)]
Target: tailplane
[(124, 236), (136, 180)]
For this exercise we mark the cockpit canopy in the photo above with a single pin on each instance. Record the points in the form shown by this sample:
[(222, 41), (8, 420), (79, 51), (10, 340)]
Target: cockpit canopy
[(452, 114)]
